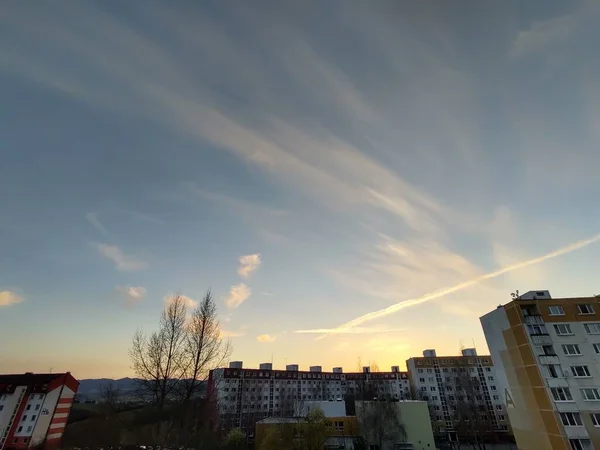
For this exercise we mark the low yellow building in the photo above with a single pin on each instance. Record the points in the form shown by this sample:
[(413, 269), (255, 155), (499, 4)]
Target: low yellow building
[(387, 425), (339, 431)]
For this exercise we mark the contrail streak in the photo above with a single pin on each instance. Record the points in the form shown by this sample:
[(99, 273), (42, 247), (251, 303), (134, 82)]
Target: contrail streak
[(354, 330), (459, 287)]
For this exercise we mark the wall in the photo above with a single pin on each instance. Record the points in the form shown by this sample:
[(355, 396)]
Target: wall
[(46, 412), (9, 403), (534, 422), (415, 417), (411, 419)]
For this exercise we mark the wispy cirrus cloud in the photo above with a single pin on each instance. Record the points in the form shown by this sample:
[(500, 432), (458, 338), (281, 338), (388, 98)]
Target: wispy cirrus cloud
[(230, 333), (9, 298), (121, 260), (132, 294), (92, 218), (399, 144), (461, 286), (238, 294), (248, 264), (354, 330), (265, 338)]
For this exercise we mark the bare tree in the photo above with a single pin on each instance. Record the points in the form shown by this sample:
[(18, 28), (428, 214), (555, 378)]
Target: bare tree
[(378, 418), (172, 364), (380, 422), (159, 359), (472, 420), (205, 347)]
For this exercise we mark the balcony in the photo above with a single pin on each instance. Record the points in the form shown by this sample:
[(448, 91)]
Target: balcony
[(533, 319), (549, 359), (557, 382), (541, 339)]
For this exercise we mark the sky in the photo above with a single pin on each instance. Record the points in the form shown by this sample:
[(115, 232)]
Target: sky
[(310, 162)]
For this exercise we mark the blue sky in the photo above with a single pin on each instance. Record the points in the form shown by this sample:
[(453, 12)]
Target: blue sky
[(310, 162)]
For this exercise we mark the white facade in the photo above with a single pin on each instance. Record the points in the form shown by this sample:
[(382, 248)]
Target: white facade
[(267, 393), (433, 379), (560, 340)]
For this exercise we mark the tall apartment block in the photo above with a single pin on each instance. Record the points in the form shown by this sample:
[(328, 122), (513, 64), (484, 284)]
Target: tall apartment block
[(34, 409), (547, 354), (245, 395), (462, 392)]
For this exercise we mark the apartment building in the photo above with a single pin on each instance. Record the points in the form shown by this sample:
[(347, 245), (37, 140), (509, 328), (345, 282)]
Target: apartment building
[(461, 391), (34, 409), (547, 351), (245, 396)]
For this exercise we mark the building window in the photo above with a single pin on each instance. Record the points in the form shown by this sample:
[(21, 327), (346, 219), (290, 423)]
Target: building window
[(422, 380), (499, 407), (561, 394), (581, 444), (563, 329), (592, 328), (19, 429), (590, 393), (595, 419), (501, 417), (24, 418), (1, 407), (571, 349), (585, 309), (496, 397), (493, 388), (596, 348), (432, 388), (28, 408), (571, 419), (29, 428), (580, 371), (537, 329), (556, 310)]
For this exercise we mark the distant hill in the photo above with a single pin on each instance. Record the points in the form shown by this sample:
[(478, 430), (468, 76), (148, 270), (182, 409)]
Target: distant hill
[(92, 388)]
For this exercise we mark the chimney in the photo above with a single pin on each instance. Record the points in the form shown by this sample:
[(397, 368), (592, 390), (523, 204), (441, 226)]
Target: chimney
[(235, 364), (395, 369), (292, 367), (430, 353), (338, 370), (316, 369), (366, 369), (266, 366), (469, 352)]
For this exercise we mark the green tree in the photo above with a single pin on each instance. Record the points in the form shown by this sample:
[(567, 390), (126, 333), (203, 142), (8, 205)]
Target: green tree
[(235, 440), (273, 440), (313, 429)]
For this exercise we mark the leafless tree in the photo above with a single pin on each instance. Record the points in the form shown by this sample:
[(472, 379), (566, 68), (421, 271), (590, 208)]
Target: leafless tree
[(172, 364), (159, 359), (472, 420), (379, 419), (204, 347)]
